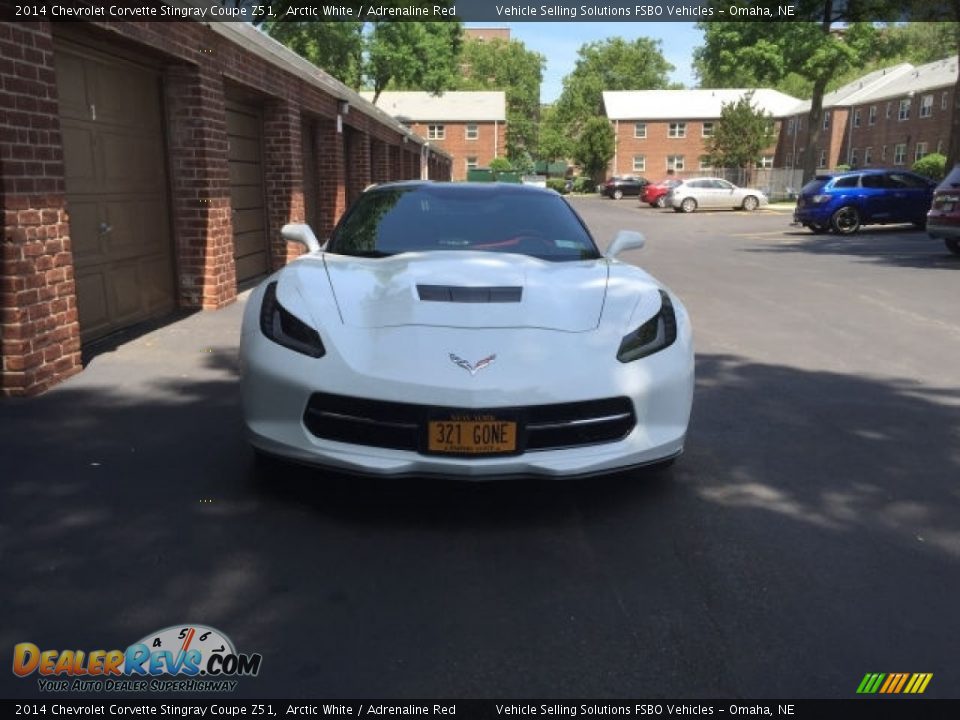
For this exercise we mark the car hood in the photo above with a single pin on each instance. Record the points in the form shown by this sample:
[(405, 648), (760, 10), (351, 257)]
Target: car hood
[(462, 289)]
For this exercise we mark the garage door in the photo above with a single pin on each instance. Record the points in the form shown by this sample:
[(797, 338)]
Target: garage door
[(246, 191), (116, 184)]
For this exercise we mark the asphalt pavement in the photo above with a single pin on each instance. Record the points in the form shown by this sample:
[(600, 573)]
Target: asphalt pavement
[(809, 535)]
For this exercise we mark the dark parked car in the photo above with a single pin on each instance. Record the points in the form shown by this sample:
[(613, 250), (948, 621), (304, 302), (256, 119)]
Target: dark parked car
[(618, 187), (845, 201), (943, 220)]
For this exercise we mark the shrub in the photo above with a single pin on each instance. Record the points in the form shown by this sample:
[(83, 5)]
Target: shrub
[(500, 164), (558, 184), (584, 184), (933, 166)]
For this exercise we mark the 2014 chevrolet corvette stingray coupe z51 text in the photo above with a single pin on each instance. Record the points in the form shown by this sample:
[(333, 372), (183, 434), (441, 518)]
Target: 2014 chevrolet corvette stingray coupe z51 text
[(470, 331)]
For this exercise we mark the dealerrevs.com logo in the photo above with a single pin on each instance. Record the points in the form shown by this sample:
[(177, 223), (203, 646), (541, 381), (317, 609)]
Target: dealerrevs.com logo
[(187, 658)]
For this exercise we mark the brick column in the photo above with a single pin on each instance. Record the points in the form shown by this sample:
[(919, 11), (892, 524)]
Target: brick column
[(39, 329), (358, 148), (283, 177), (200, 187), (396, 166), (379, 161), (331, 190)]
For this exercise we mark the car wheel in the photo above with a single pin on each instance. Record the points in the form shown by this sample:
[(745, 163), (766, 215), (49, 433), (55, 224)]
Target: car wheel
[(953, 245), (688, 205), (617, 194), (661, 202), (845, 221), (750, 203)]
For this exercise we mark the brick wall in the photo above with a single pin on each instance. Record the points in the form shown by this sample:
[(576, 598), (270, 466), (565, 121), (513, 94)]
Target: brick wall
[(39, 331), (490, 143)]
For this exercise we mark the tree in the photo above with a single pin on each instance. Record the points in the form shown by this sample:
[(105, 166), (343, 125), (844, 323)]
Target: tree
[(594, 148), (500, 164), (741, 136), (757, 53), (412, 56), (337, 47), (554, 143), (612, 64), (507, 66), (933, 166)]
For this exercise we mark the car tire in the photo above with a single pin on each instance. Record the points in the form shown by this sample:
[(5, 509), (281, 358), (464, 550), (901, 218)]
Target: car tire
[(953, 245), (845, 221), (750, 203), (661, 202), (617, 194), (688, 205)]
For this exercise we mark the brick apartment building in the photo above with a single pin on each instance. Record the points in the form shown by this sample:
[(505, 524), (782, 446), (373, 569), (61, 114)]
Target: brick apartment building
[(469, 126), (146, 167), (665, 131)]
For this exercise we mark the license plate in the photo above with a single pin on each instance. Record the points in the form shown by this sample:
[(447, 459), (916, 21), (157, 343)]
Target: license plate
[(946, 207), (472, 435)]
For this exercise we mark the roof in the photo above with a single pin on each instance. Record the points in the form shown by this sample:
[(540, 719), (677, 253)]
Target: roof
[(679, 104), (859, 90), (942, 73), (453, 106)]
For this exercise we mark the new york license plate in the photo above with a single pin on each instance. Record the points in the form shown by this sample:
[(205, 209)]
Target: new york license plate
[(469, 434)]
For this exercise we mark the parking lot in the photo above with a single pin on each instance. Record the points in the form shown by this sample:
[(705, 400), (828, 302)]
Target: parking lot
[(809, 535)]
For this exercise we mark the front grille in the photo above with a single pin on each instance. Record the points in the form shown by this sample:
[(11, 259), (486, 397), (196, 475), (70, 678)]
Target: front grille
[(401, 426)]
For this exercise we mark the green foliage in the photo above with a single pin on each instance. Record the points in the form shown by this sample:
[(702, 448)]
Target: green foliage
[(413, 56), (741, 135), (595, 146), (500, 164), (558, 184), (842, 167), (507, 66), (337, 47), (933, 166), (584, 185), (554, 142)]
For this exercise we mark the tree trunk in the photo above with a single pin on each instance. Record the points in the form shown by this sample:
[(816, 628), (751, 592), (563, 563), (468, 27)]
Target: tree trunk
[(953, 147), (814, 127)]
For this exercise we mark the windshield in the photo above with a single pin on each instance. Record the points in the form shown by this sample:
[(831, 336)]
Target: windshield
[(394, 220)]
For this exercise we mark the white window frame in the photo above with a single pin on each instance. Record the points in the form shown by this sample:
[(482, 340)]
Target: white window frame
[(703, 129), (853, 157), (675, 162), (919, 151), (703, 163), (765, 162), (822, 160), (856, 118), (903, 113), (471, 132), (943, 100), (640, 130), (639, 163), (872, 115), (788, 160), (677, 130), (867, 155), (900, 154), (926, 106), (436, 132), (472, 162), (791, 126), (826, 119), (889, 105), (883, 154)]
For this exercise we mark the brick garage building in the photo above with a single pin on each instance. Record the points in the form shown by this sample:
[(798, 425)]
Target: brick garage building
[(469, 126), (146, 167), (661, 131)]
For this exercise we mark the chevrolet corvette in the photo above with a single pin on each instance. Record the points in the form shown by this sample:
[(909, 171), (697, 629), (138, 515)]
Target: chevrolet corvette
[(468, 330)]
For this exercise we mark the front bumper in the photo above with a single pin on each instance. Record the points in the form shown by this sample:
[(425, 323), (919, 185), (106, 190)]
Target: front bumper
[(941, 226)]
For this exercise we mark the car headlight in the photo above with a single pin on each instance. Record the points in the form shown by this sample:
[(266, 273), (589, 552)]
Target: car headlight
[(284, 328), (818, 199), (654, 335)]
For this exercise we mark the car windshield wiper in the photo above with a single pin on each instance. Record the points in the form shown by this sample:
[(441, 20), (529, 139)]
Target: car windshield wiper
[(368, 253)]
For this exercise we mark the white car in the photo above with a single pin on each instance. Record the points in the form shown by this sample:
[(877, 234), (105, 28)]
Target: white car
[(465, 330), (711, 193)]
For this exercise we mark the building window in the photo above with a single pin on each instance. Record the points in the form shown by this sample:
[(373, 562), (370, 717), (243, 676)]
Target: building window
[(765, 162), (883, 153), (472, 132), (436, 132), (707, 129), (705, 163), (899, 153), (639, 163), (867, 155), (788, 160), (674, 162), (639, 130), (943, 100), (854, 159), (919, 151), (791, 125), (904, 112), (856, 117), (822, 160), (940, 147), (826, 119), (872, 117), (677, 130), (888, 111), (926, 106), (472, 163), (799, 124)]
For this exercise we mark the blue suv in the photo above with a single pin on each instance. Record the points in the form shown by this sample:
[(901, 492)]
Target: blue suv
[(845, 201)]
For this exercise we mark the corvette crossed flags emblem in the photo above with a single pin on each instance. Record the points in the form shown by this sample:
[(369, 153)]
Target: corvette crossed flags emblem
[(474, 368)]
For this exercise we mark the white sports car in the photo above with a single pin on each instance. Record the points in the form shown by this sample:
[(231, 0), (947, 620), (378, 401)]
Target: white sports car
[(469, 330)]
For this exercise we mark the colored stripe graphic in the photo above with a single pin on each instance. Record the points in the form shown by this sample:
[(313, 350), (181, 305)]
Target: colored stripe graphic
[(894, 683)]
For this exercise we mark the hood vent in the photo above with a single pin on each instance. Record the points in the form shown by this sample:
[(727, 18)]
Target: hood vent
[(454, 294)]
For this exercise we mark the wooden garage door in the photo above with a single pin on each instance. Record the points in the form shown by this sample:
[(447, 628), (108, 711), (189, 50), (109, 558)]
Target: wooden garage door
[(246, 190), (116, 182)]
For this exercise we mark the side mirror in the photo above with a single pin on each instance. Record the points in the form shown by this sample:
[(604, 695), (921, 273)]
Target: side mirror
[(300, 233), (625, 240)]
